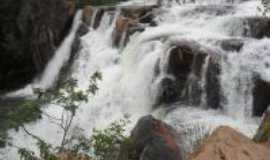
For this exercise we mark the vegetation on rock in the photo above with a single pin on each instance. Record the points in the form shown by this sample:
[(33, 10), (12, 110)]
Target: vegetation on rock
[(263, 133)]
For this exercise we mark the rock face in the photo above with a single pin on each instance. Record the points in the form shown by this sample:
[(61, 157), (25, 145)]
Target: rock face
[(195, 70), (227, 144), (263, 133), (30, 32), (129, 20), (258, 27), (261, 94), (153, 140)]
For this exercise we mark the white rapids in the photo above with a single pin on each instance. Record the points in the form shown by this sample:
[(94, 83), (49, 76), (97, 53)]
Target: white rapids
[(128, 86)]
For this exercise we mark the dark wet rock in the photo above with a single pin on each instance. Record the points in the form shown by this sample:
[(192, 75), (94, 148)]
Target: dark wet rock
[(30, 32), (98, 17), (184, 64), (213, 10), (213, 87), (263, 133), (82, 30), (261, 99), (75, 49), (153, 140), (253, 27), (168, 92), (232, 44), (258, 27), (195, 69)]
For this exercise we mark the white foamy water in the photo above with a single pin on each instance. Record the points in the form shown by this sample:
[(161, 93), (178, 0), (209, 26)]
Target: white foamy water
[(129, 85)]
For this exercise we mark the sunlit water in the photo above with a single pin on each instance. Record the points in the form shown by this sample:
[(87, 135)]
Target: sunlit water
[(129, 86)]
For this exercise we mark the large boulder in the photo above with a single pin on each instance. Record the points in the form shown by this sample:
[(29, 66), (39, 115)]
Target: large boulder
[(30, 32), (227, 144), (263, 133), (153, 139)]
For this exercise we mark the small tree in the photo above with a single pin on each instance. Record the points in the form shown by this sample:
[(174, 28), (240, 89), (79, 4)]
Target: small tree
[(69, 98)]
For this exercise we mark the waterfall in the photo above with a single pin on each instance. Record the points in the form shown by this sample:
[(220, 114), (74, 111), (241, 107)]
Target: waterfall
[(130, 84), (61, 56)]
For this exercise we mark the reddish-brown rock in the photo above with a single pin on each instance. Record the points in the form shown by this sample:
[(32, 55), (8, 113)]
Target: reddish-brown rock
[(88, 12), (153, 139), (227, 144)]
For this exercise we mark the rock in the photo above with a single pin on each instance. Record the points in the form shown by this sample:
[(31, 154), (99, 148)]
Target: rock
[(258, 27), (168, 92), (261, 100), (214, 95), (263, 133), (232, 44), (30, 32), (214, 10), (121, 27), (227, 144), (71, 7), (131, 20), (67, 155), (254, 27), (180, 65), (88, 12), (98, 17), (153, 140), (195, 70)]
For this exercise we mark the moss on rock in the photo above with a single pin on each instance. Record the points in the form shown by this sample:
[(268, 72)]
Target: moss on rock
[(263, 133)]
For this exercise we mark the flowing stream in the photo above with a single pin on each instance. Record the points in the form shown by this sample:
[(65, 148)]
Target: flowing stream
[(130, 87)]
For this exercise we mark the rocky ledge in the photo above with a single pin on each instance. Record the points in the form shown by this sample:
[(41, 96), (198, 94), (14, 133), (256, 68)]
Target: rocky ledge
[(30, 32)]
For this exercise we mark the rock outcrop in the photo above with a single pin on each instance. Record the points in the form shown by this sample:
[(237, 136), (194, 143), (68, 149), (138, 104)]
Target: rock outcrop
[(227, 144), (30, 32), (130, 20), (261, 100), (195, 69), (153, 139)]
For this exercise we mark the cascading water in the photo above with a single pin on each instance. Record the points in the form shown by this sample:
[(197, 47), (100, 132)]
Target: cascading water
[(130, 86)]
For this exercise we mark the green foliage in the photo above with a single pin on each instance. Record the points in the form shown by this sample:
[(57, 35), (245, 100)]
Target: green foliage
[(44, 152), (14, 113), (26, 155), (69, 97), (106, 143)]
